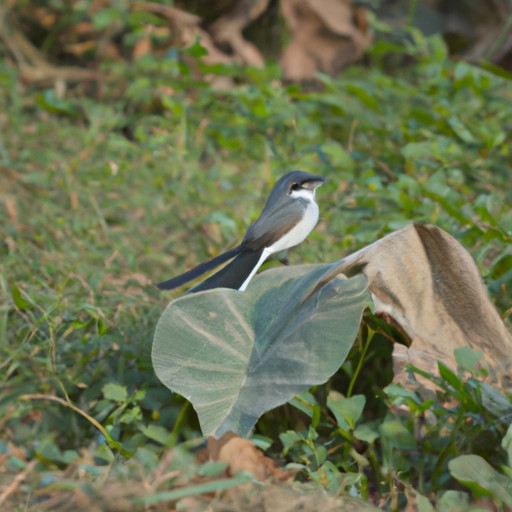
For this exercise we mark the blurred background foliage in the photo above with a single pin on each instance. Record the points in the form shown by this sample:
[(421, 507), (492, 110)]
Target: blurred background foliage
[(136, 142)]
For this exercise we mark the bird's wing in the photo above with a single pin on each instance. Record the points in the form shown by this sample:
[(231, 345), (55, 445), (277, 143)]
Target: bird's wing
[(269, 228), (201, 269), (234, 274)]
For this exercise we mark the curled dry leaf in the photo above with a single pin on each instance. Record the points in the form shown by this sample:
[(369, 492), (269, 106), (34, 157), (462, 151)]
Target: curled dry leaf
[(429, 284), (227, 31), (326, 36)]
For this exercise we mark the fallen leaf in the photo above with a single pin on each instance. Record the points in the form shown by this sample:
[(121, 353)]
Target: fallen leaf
[(326, 36), (227, 30), (423, 279), (81, 48), (142, 47), (12, 210)]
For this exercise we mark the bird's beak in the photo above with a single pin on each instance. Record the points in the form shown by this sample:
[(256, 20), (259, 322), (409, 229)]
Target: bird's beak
[(313, 185)]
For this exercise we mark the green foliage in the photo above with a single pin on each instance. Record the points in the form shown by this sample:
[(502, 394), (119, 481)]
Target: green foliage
[(346, 410), (421, 450), (101, 196)]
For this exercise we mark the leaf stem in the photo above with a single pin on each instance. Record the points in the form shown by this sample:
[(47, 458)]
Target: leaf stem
[(360, 364), (412, 12), (113, 444), (177, 427)]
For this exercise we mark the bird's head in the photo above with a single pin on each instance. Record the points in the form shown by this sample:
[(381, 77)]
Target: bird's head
[(301, 184), (292, 186)]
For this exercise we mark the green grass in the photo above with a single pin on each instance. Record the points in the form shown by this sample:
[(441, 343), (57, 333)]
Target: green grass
[(90, 220)]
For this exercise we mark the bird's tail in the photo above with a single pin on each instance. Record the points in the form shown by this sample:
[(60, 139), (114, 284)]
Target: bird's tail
[(234, 274), (199, 270)]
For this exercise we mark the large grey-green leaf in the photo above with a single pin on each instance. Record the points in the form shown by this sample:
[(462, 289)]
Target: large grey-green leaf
[(235, 355)]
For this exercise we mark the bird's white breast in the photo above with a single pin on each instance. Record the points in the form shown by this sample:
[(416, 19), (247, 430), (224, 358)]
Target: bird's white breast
[(295, 236), (303, 228)]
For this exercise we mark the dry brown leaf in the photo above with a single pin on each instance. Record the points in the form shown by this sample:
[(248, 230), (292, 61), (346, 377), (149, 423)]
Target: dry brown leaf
[(81, 48), (227, 30), (73, 196), (84, 27), (326, 36), (142, 47), (336, 14), (142, 279), (45, 17), (138, 213), (98, 5), (110, 51), (12, 210), (429, 284)]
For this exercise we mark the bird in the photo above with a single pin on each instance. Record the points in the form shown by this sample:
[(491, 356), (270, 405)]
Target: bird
[(289, 216)]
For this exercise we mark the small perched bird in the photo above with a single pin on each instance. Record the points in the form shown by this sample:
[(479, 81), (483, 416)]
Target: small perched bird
[(290, 214)]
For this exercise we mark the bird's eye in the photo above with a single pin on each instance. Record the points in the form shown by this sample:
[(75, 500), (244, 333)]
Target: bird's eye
[(295, 186)]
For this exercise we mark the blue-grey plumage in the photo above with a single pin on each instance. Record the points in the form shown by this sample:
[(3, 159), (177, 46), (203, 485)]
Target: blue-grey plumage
[(288, 217)]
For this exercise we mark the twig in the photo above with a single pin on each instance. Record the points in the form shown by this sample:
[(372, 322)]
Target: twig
[(37, 396), (386, 169), (351, 135), (500, 39), (20, 59), (505, 315), (412, 13), (164, 464), (4, 457), (28, 501), (171, 13), (40, 74), (34, 55), (25, 53), (111, 258), (17, 480), (97, 209), (168, 476)]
